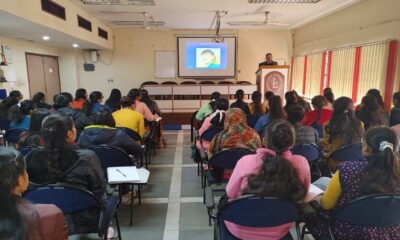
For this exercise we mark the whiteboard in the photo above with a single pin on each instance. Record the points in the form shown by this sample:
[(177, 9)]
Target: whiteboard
[(165, 64)]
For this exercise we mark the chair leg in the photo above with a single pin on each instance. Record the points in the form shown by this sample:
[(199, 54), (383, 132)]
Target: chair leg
[(131, 207), (140, 194), (118, 227)]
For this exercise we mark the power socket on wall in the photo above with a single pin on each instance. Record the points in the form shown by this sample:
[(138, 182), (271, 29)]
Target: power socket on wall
[(110, 80)]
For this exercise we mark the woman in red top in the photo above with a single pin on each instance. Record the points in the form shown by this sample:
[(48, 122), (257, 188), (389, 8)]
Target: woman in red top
[(319, 115)]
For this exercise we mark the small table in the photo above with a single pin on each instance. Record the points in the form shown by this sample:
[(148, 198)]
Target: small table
[(144, 175)]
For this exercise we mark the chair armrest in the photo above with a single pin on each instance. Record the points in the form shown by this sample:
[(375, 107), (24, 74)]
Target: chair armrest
[(319, 210)]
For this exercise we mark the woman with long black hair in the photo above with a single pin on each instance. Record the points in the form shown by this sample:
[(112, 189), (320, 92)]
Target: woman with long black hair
[(21, 220)]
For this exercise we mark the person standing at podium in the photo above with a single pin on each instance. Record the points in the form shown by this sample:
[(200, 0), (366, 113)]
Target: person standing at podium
[(268, 61)]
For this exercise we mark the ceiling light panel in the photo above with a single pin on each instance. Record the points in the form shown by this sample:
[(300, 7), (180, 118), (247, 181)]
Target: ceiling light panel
[(284, 1), (120, 2)]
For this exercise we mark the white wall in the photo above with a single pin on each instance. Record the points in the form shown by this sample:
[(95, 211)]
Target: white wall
[(132, 61), (365, 22), (19, 48)]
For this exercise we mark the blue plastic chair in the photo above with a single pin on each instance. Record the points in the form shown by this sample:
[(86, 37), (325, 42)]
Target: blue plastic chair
[(111, 157), (252, 211), (310, 151), (348, 153), (132, 134), (376, 210), (209, 134), (12, 135), (3, 94), (26, 150), (71, 199), (4, 124)]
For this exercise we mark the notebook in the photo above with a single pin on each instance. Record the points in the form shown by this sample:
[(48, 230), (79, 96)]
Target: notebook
[(122, 175), (313, 193)]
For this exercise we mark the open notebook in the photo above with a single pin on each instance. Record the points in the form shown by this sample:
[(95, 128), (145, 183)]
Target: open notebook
[(313, 193), (122, 175)]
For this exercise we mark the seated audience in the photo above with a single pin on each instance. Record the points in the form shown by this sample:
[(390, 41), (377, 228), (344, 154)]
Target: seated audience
[(330, 99), (206, 109), (103, 131), (378, 173), (272, 172), (395, 112), (62, 104), (319, 115), (21, 219), (267, 96), (127, 118), (13, 99), (306, 105), (275, 112), (371, 113), (80, 99), (33, 137), (239, 103), (59, 161), (236, 133), (304, 134), (140, 107), (291, 98), (151, 104), (343, 128), (20, 116), (216, 119), (256, 107), (114, 101), (94, 104), (40, 100)]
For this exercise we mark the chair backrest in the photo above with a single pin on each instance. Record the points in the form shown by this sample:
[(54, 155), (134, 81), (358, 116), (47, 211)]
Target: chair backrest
[(132, 134), (4, 124), (310, 151), (319, 129), (377, 210), (69, 199), (3, 94), (251, 211), (25, 150), (209, 134), (228, 158), (12, 135), (252, 120), (111, 156), (348, 153)]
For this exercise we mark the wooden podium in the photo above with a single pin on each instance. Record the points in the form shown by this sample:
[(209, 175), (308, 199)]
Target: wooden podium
[(273, 78)]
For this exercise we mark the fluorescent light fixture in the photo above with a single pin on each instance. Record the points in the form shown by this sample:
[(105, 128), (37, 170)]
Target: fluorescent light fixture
[(120, 2), (284, 1), (46, 38), (75, 45)]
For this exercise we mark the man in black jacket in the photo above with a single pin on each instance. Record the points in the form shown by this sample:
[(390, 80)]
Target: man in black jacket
[(268, 61)]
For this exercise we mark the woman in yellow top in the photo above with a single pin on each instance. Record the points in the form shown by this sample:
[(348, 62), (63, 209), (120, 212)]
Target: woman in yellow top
[(379, 172), (127, 118)]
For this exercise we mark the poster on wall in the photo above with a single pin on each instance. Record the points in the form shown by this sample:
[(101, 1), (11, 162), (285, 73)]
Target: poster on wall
[(6, 50)]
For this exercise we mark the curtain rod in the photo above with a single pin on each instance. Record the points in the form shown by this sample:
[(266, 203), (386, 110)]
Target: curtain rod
[(346, 47)]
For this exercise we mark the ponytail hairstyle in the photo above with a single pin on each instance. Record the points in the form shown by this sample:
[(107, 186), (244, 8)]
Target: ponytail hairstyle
[(342, 105), (383, 170), (345, 127), (94, 97), (275, 108), (17, 113), (221, 106), (12, 166), (214, 97), (33, 136), (61, 101), (256, 98), (277, 177), (60, 153)]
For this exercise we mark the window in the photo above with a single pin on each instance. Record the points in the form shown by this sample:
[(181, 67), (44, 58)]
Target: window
[(84, 23), (103, 33), (53, 8)]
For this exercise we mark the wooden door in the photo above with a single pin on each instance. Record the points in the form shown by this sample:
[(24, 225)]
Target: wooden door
[(43, 74)]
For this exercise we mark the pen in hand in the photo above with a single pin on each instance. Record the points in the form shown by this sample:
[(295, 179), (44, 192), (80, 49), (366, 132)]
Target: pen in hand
[(121, 172)]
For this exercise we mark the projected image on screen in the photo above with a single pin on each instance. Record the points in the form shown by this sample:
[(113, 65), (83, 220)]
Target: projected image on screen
[(203, 57), (208, 58)]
